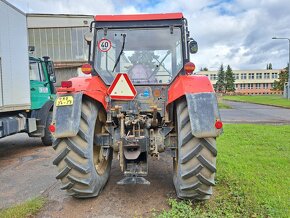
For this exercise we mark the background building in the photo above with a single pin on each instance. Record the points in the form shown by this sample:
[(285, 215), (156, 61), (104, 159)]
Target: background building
[(61, 37), (250, 81)]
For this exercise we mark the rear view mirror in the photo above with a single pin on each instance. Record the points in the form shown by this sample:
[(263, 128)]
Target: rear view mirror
[(52, 78), (193, 46), (89, 37), (50, 68)]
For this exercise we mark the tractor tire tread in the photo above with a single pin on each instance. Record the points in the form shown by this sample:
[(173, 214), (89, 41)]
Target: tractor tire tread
[(61, 156), (196, 158), (72, 145), (74, 160)]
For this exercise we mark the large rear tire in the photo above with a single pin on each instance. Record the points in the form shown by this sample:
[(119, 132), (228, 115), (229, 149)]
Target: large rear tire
[(83, 169), (195, 161)]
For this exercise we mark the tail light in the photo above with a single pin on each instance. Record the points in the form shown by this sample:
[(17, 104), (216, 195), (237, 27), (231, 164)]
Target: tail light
[(189, 67), (87, 69), (66, 84), (218, 124), (51, 128)]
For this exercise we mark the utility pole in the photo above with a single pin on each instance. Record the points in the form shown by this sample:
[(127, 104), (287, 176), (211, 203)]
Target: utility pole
[(288, 86)]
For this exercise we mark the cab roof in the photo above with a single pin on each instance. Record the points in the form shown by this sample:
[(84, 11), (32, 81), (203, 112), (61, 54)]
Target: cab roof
[(138, 17)]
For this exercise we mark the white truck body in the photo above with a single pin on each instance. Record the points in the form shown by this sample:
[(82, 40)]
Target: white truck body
[(14, 59)]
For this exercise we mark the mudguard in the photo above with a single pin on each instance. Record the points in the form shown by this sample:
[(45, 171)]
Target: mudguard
[(203, 114), (67, 118), (41, 116)]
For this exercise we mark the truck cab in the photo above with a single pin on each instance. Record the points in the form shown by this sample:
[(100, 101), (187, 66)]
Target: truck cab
[(42, 77)]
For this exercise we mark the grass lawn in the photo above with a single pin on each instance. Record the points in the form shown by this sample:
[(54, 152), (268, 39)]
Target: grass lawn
[(26, 209), (275, 100), (252, 175), (222, 105)]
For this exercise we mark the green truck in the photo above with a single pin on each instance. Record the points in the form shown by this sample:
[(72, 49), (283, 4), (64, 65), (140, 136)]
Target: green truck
[(26, 83)]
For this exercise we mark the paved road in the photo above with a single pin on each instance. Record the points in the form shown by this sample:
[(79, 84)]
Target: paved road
[(26, 171), (254, 113)]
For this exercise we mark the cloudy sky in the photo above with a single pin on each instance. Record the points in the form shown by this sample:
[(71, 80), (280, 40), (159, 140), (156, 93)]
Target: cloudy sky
[(234, 32)]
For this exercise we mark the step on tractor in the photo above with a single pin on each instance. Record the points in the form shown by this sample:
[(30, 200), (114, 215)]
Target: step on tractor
[(141, 99)]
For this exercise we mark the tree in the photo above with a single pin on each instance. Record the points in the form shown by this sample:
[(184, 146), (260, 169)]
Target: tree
[(270, 66), (283, 77), (220, 84), (204, 69), (229, 80)]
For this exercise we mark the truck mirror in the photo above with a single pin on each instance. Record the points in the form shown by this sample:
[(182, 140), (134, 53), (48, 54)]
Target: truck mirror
[(52, 78), (50, 68), (193, 46), (89, 37)]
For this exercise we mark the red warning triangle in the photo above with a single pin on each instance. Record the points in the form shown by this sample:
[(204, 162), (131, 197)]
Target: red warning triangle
[(122, 88)]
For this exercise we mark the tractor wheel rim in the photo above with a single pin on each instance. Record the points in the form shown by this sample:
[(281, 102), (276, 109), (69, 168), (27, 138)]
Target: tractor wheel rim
[(100, 161)]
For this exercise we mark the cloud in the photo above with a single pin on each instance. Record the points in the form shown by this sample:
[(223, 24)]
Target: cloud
[(234, 32)]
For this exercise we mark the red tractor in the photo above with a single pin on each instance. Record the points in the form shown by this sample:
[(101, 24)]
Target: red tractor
[(140, 100)]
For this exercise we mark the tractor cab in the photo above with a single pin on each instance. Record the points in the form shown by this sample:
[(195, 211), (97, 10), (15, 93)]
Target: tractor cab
[(141, 100), (148, 56), (151, 50)]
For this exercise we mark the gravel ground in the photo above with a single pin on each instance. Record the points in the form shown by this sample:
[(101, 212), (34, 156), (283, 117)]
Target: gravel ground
[(26, 171)]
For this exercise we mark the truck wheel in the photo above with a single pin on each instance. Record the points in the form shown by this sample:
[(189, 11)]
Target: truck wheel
[(83, 169), (195, 161), (47, 139)]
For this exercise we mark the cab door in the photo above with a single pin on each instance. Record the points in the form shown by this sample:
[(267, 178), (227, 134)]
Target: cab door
[(39, 85)]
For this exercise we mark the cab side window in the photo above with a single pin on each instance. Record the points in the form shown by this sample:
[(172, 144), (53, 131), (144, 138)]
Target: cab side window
[(36, 72)]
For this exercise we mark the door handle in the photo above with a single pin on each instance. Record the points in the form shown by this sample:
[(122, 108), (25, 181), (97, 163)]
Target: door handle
[(32, 89)]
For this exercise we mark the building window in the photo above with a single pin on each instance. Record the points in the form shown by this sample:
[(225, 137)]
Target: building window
[(237, 76), (250, 86), (274, 75), (243, 76), (251, 76), (266, 75), (213, 77), (236, 86), (258, 85), (265, 85), (243, 86), (258, 75)]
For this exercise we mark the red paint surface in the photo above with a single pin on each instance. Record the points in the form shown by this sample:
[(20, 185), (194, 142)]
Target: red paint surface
[(188, 84), (139, 17), (90, 86), (122, 97)]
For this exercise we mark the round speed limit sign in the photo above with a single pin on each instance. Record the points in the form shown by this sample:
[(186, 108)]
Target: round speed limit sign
[(104, 45)]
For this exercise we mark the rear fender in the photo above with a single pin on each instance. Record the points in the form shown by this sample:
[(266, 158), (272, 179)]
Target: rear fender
[(188, 84), (67, 118), (203, 114), (90, 86)]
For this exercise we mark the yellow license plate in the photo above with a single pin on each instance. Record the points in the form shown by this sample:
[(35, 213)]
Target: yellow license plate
[(64, 101)]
